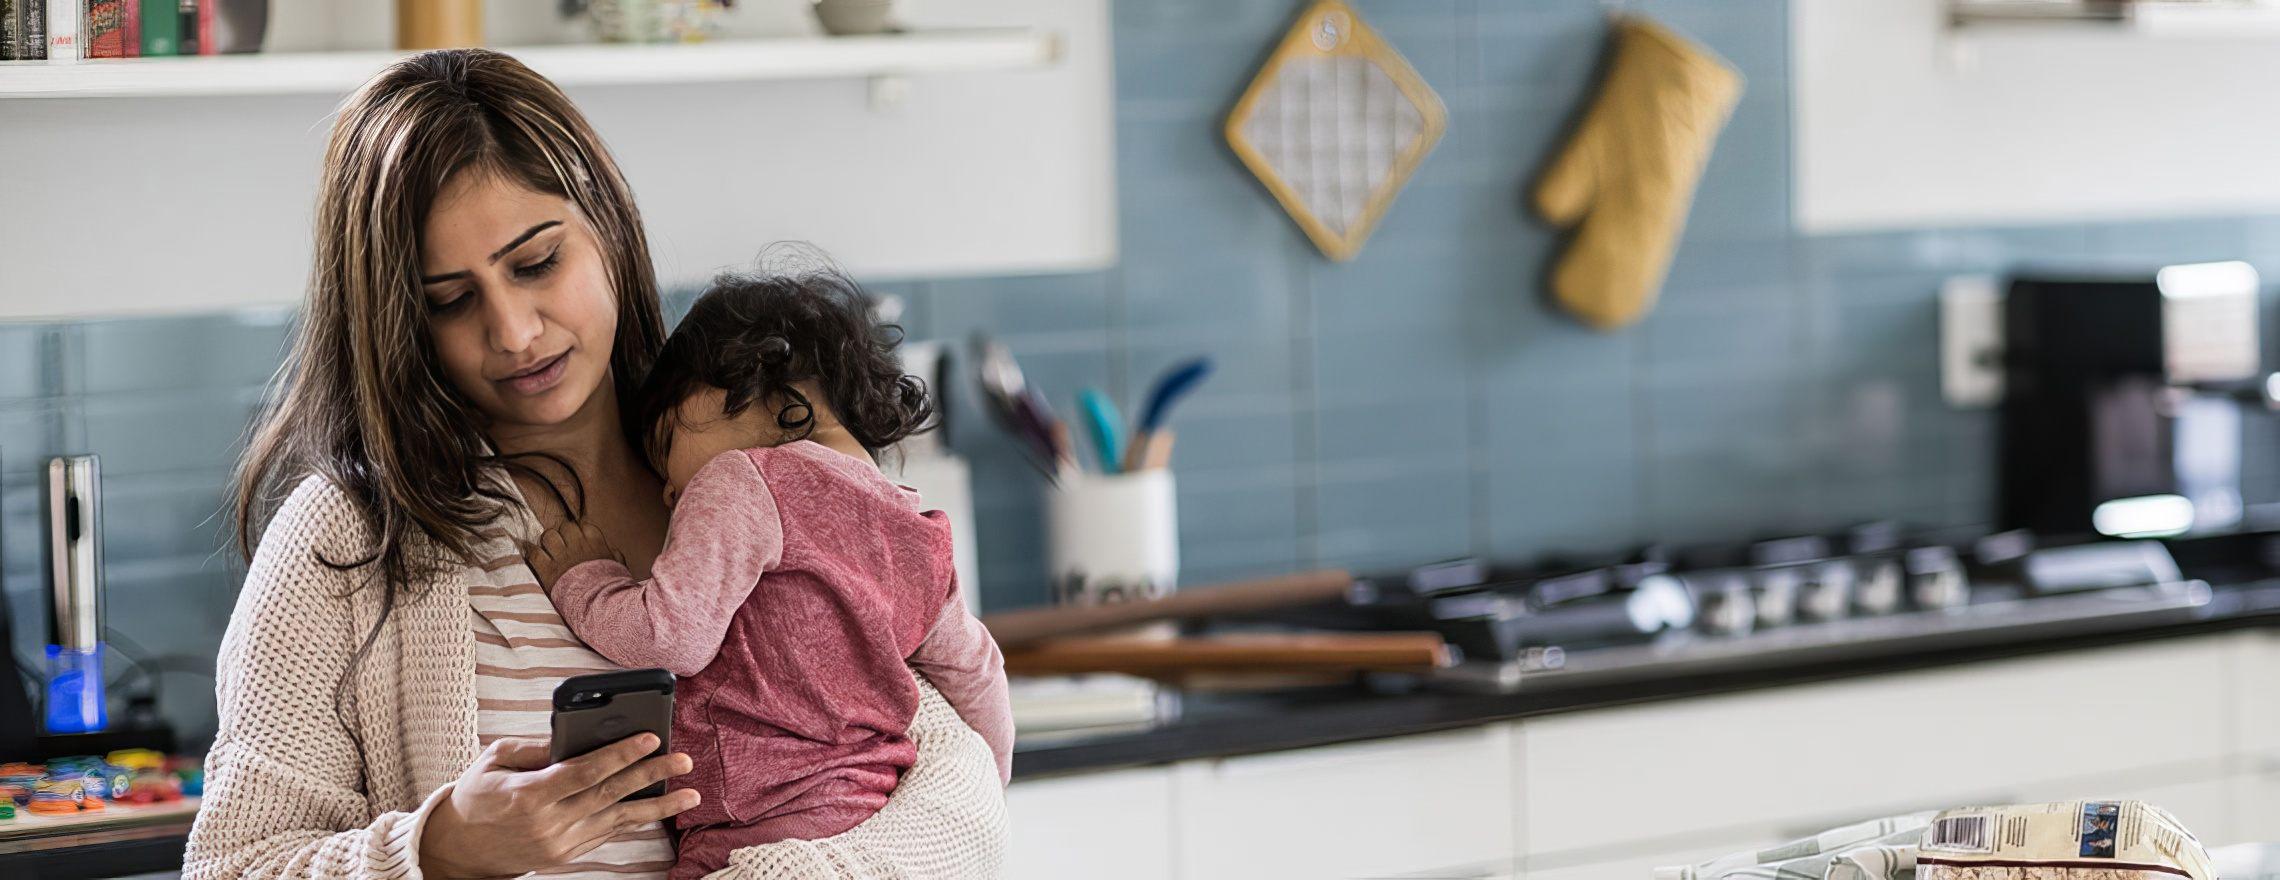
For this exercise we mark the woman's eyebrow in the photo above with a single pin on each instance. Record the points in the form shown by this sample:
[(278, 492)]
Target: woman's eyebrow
[(495, 255), (518, 242)]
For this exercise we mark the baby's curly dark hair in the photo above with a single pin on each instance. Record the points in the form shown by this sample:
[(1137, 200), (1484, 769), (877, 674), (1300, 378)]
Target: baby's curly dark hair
[(756, 335)]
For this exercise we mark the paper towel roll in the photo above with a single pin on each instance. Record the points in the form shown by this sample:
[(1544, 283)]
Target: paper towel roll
[(946, 484)]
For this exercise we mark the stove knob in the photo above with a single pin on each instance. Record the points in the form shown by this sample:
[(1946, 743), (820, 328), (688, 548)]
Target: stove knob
[(1777, 594), (1880, 587), (1827, 594), (1936, 579), (1724, 604)]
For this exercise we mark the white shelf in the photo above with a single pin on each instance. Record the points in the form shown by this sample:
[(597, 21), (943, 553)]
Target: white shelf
[(335, 73), (2199, 18)]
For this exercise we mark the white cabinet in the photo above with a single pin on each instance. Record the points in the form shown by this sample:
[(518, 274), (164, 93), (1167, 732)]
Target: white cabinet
[(2256, 806), (2256, 684), (1807, 757), (1109, 826), (1399, 806), (2190, 724)]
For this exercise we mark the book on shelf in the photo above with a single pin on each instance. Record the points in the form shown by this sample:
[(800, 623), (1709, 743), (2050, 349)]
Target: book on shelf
[(105, 29), (63, 40), (203, 15), (70, 30), (31, 30), (186, 27), (161, 27)]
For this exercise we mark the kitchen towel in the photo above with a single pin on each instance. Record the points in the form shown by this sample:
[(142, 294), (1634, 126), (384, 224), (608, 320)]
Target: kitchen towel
[(1334, 125), (1879, 849), (1626, 177)]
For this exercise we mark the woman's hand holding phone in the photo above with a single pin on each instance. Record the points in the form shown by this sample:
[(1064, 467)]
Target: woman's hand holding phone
[(515, 810)]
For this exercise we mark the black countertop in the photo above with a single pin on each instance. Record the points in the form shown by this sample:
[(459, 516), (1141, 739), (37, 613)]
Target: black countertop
[(1220, 726)]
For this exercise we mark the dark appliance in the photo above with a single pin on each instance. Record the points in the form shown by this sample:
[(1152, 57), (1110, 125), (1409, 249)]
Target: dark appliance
[(2122, 401)]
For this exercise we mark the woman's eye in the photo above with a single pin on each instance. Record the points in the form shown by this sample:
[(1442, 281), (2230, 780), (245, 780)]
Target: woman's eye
[(451, 304), (540, 268)]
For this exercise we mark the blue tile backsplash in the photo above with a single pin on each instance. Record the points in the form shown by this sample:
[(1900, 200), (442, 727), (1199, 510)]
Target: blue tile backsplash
[(1419, 402)]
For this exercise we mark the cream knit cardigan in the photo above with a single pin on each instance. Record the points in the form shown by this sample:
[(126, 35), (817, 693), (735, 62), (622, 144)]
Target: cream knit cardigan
[(290, 792)]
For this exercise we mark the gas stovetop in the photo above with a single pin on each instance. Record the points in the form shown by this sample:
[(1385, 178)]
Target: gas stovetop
[(1693, 652), (1869, 593)]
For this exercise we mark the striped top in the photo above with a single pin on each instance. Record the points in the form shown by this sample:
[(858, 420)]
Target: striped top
[(522, 650)]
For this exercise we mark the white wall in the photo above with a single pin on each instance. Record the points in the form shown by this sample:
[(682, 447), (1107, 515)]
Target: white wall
[(113, 205), (1900, 122)]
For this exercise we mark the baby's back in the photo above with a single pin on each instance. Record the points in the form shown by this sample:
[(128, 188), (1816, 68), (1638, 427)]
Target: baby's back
[(806, 706)]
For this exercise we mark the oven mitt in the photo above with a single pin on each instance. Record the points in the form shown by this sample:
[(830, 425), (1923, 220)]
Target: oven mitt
[(1627, 174)]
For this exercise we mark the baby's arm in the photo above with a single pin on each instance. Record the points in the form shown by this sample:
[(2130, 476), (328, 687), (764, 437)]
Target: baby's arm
[(725, 534), (963, 662)]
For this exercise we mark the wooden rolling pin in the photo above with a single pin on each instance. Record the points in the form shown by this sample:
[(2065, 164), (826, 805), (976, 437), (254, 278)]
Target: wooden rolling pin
[(1014, 629), (1234, 652)]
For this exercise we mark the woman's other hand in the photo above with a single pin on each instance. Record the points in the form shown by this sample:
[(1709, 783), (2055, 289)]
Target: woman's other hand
[(563, 547), (514, 812)]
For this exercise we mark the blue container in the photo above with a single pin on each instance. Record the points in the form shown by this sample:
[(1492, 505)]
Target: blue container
[(75, 701)]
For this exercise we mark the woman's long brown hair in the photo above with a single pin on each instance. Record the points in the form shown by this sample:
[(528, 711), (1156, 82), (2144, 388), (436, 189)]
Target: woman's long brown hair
[(360, 400)]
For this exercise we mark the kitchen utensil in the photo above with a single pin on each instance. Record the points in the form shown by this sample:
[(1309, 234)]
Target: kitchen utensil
[(1000, 373), (1245, 652), (1153, 451), (1106, 427), (1003, 389), (1029, 434), (1026, 626), (1037, 432), (1173, 384), (72, 507), (1052, 433), (945, 367), (1334, 124)]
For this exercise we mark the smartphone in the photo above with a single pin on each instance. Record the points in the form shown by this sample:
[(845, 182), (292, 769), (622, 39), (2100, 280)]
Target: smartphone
[(592, 711)]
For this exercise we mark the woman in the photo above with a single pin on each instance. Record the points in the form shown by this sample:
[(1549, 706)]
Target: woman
[(481, 304)]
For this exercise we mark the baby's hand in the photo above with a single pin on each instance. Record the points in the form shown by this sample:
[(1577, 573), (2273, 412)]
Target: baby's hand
[(565, 546)]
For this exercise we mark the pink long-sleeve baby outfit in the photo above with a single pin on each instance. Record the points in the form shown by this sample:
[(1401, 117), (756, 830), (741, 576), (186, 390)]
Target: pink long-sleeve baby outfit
[(797, 590)]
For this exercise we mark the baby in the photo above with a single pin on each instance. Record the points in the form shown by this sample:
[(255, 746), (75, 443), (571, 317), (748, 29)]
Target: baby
[(798, 587)]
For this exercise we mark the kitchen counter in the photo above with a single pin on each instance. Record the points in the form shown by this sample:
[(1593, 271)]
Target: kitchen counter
[(1220, 726), (1217, 726)]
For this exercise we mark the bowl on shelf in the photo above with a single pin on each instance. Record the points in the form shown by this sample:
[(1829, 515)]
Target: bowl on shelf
[(844, 18)]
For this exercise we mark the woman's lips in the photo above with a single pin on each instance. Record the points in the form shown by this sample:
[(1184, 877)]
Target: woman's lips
[(539, 378)]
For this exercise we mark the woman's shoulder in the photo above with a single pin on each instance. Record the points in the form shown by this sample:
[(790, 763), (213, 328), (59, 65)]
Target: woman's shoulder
[(319, 502), (318, 515), (296, 583)]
